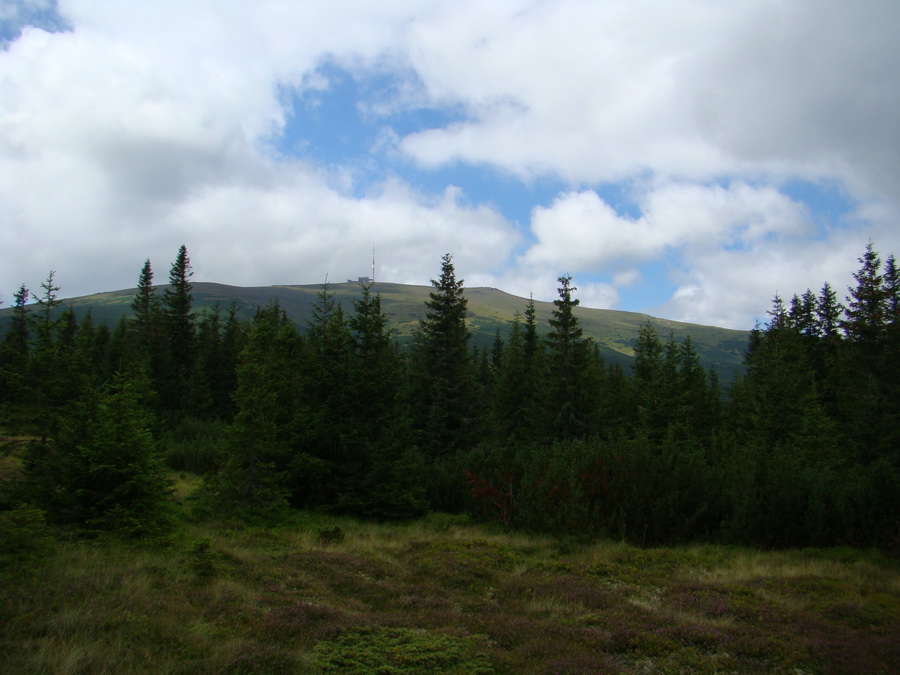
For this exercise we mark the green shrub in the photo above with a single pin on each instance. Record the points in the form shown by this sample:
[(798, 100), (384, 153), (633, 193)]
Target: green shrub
[(194, 445), (23, 533), (101, 473), (330, 535), (400, 650), (202, 559)]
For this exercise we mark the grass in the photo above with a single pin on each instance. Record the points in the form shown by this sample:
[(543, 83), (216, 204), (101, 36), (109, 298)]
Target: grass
[(440, 594)]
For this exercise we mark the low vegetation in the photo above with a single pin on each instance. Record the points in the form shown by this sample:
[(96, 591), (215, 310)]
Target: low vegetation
[(322, 594)]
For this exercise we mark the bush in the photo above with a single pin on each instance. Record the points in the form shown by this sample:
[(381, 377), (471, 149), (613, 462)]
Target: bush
[(202, 559), (23, 533), (194, 445), (330, 535), (400, 650), (102, 472)]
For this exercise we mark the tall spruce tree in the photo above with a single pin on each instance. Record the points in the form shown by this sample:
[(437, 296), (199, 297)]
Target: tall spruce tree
[(253, 483), (829, 312), (444, 386), (47, 389), (180, 337), (138, 345), (382, 477), (509, 405), (867, 303), (571, 398), (327, 398), (14, 359), (869, 407), (530, 340), (145, 304)]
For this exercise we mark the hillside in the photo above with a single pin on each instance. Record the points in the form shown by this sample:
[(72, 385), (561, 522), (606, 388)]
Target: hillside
[(489, 309)]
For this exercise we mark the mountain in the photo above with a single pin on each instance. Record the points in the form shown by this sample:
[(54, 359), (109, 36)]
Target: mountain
[(489, 309)]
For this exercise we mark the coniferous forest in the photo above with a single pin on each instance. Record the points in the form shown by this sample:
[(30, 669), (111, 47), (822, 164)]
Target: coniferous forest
[(537, 433)]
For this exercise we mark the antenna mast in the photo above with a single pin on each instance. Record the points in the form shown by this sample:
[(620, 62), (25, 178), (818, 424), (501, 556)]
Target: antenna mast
[(373, 262)]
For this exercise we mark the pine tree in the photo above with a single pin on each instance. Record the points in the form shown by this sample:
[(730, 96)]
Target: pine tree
[(90, 354), (867, 302), (327, 399), (47, 388), (47, 303), (778, 377), (101, 471), (804, 315), (254, 481), (571, 399), (142, 348), (650, 383), (375, 378), (145, 304), (206, 396), (892, 290), (180, 337), (696, 392), (14, 359), (829, 312), (444, 388), (214, 381), (531, 342), (382, 477)]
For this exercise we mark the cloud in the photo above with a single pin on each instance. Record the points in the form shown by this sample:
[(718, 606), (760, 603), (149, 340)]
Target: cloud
[(147, 125), (311, 231), (606, 90), (116, 145), (731, 288), (579, 230)]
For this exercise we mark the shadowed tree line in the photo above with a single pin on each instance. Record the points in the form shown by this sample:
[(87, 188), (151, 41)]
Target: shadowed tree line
[(535, 432)]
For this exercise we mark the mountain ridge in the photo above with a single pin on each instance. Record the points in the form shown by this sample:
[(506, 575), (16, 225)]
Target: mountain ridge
[(489, 309)]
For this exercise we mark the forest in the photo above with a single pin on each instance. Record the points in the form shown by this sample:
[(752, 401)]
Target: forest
[(536, 433)]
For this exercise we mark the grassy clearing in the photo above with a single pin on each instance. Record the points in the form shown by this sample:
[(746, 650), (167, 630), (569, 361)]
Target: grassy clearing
[(441, 595)]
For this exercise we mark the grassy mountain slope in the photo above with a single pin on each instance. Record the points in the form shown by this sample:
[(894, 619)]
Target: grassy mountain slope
[(489, 309)]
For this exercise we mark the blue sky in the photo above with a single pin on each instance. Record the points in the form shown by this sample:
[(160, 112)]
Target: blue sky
[(688, 162)]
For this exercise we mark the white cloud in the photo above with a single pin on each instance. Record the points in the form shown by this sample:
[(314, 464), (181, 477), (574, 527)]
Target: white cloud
[(733, 288), (146, 127), (149, 125), (581, 231), (308, 231), (605, 90)]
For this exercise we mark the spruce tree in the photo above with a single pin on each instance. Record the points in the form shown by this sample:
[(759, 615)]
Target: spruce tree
[(253, 483), (326, 396), (444, 386), (47, 388), (650, 382), (530, 336), (14, 359), (180, 337), (571, 399), (867, 302), (507, 407), (145, 304), (382, 477), (47, 302), (829, 312), (101, 470)]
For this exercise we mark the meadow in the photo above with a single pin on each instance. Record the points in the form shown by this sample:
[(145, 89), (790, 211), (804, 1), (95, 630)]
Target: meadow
[(319, 594)]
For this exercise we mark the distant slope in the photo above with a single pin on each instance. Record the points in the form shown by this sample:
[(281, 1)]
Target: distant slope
[(489, 309)]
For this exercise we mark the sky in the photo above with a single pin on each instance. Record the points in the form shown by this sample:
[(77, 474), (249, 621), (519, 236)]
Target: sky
[(687, 160)]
